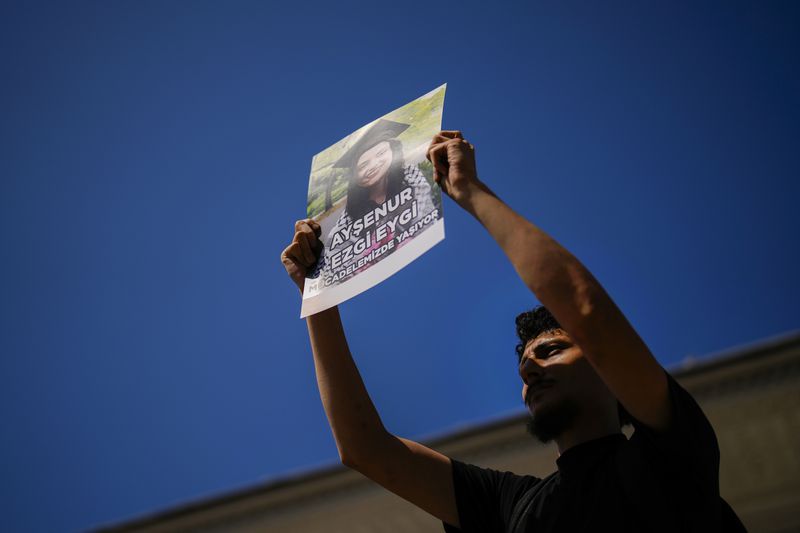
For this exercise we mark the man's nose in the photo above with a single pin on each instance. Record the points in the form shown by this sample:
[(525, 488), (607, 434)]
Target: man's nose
[(530, 370)]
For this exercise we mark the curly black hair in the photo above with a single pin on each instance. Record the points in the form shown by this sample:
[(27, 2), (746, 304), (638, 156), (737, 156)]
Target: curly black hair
[(531, 324), (538, 320)]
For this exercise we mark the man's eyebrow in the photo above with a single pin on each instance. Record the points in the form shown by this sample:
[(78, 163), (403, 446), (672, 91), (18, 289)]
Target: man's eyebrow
[(543, 345)]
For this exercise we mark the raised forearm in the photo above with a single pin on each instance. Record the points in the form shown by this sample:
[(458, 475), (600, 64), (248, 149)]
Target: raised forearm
[(355, 423), (412, 471), (561, 283), (552, 273), (555, 276)]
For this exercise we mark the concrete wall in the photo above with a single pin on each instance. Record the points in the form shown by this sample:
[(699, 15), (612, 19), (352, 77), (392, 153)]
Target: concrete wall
[(751, 396)]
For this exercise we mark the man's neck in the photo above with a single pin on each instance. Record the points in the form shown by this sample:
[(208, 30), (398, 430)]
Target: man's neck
[(587, 428)]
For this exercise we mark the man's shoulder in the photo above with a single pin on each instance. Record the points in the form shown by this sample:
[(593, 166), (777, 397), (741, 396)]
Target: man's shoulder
[(689, 431), (489, 499), (507, 483)]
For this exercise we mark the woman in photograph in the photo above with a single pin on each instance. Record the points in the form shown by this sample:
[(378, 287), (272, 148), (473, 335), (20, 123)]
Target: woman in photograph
[(376, 172)]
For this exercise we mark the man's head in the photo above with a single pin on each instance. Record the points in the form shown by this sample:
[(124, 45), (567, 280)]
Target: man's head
[(560, 387)]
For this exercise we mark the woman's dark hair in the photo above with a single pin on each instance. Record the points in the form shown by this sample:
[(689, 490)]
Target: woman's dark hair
[(358, 201), (533, 323)]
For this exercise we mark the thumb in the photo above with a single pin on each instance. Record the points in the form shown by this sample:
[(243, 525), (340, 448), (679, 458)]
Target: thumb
[(455, 151)]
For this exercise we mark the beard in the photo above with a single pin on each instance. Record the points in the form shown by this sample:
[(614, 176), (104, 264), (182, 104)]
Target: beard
[(548, 423)]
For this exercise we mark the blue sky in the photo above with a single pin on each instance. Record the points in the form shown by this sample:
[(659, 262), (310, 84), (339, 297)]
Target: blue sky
[(155, 156)]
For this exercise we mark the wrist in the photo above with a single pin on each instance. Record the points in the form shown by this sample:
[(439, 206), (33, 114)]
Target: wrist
[(470, 196)]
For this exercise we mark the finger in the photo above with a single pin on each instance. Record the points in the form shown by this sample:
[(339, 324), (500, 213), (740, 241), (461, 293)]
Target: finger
[(429, 154), (292, 256), (310, 222), (317, 247), (438, 156), (285, 255), (288, 257), (309, 232), (429, 158), (309, 227), (446, 135), (434, 146), (315, 226), (436, 141), (454, 142), (451, 134), (439, 138), (308, 256), (456, 148)]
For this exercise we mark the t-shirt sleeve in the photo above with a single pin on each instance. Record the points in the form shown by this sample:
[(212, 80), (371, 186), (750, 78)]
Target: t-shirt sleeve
[(689, 445), (485, 498)]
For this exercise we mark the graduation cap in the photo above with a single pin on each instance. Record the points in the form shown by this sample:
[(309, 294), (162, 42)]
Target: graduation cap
[(382, 130)]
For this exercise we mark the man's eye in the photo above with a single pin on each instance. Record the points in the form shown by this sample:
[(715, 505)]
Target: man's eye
[(551, 352)]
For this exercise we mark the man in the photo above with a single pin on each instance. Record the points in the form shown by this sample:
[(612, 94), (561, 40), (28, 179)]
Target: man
[(581, 364)]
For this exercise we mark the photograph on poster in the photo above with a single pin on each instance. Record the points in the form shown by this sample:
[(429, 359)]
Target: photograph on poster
[(374, 197)]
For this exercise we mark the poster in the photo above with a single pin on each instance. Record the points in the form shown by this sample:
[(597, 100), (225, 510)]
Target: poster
[(374, 197)]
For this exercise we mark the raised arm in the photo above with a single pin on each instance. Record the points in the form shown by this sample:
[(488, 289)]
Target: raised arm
[(563, 285), (412, 471)]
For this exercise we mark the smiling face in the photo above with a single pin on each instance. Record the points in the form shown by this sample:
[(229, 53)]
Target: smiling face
[(373, 165), (559, 386)]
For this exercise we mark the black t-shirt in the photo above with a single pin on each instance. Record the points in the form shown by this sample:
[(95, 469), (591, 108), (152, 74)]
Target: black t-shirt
[(651, 482)]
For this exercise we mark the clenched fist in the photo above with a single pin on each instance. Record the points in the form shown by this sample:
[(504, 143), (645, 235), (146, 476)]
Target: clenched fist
[(302, 254), (453, 159)]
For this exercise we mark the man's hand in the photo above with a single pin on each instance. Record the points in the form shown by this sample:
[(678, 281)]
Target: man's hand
[(302, 254), (453, 159)]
